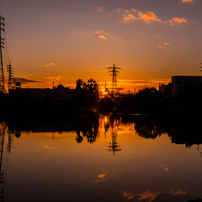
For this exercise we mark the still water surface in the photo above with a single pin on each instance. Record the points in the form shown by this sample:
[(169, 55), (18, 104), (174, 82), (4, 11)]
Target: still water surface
[(100, 160)]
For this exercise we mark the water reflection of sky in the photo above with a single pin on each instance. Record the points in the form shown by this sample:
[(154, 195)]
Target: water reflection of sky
[(53, 166)]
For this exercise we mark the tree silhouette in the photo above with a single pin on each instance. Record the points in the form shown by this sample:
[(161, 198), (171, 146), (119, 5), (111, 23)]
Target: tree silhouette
[(79, 84), (60, 86), (147, 97), (93, 89)]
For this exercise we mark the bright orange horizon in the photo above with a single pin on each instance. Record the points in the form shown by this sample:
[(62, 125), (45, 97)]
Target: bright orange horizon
[(129, 86)]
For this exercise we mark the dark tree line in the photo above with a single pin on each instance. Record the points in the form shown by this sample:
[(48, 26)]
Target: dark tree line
[(147, 97), (91, 87), (144, 99)]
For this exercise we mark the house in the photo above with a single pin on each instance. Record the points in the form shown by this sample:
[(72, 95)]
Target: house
[(180, 84)]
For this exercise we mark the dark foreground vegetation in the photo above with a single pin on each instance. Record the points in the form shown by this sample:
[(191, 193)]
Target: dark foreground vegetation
[(152, 101), (85, 97)]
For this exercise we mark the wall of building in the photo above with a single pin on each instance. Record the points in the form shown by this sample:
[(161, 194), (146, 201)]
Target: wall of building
[(179, 82)]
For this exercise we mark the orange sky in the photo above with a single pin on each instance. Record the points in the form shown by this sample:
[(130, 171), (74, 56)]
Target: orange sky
[(62, 41)]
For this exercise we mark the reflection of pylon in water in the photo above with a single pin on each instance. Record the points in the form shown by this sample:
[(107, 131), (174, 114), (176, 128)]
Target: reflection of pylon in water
[(114, 145), (2, 132), (9, 141), (3, 158)]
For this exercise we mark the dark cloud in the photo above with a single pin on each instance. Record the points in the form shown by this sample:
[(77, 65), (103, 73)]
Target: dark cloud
[(146, 81), (24, 81), (135, 81)]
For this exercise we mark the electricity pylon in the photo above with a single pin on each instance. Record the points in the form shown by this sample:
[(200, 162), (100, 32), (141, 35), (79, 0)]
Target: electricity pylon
[(10, 76), (2, 83), (113, 71)]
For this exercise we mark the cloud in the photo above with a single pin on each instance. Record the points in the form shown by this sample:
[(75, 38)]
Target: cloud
[(149, 196), (147, 17), (129, 17), (128, 196), (117, 11), (102, 34), (143, 81), (58, 77), (164, 45), (100, 9), (134, 81), (164, 167), (190, 1), (102, 175), (53, 78), (102, 178), (99, 32), (24, 80), (50, 77), (177, 20), (179, 192), (102, 37), (48, 147), (47, 65)]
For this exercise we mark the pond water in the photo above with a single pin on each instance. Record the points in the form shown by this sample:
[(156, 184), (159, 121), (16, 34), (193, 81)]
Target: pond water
[(99, 159)]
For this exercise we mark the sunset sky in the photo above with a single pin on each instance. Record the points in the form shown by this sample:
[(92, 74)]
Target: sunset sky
[(63, 40)]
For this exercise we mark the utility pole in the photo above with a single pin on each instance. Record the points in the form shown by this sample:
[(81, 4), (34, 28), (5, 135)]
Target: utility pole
[(10, 76), (105, 86), (2, 83)]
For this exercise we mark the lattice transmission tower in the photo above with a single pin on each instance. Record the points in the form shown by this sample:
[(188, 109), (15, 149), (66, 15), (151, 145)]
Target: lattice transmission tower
[(2, 83), (10, 76), (114, 71)]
